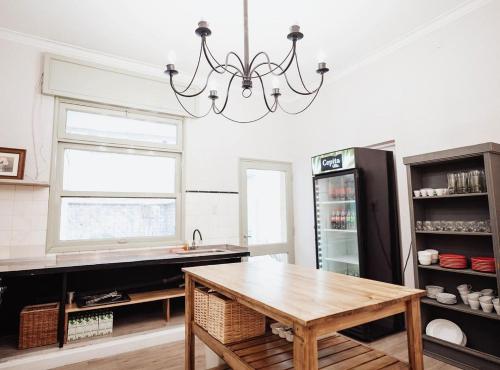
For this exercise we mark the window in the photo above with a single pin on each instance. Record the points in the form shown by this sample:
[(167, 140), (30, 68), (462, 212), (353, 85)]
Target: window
[(117, 178)]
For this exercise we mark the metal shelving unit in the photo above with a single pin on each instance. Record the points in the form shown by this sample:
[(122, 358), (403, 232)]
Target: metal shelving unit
[(481, 328)]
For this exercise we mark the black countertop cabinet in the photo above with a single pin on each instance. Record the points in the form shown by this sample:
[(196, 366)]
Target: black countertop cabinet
[(50, 279)]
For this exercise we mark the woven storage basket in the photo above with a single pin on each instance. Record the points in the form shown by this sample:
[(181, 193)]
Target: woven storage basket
[(229, 321), (201, 306), (38, 325)]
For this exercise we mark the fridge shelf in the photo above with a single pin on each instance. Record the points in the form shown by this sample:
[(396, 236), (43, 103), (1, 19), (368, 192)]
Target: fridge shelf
[(350, 259), (347, 201), (352, 231)]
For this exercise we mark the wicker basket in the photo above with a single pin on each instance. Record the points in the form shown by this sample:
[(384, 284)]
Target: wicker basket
[(201, 306), (38, 325), (229, 321)]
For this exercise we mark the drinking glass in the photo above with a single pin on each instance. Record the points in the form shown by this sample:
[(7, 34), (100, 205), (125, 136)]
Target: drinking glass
[(470, 226), (449, 226), (459, 226), (420, 226), (437, 226), (487, 226), (482, 180), (474, 181), (452, 183), (462, 182), (427, 226)]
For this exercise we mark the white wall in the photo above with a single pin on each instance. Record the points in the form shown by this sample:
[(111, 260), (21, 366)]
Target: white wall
[(211, 152), (440, 92)]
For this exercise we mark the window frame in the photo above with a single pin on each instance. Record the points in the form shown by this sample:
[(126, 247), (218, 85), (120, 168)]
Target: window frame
[(63, 141), (65, 105)]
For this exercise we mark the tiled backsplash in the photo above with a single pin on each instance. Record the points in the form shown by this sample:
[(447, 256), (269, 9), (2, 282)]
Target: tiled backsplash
[(216, 215), (23, 220)]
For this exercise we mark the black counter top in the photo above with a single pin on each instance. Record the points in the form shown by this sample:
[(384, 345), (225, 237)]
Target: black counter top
[(113, 259)]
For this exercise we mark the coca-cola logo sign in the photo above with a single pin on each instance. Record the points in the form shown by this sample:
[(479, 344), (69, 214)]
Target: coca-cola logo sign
[(332, 162)]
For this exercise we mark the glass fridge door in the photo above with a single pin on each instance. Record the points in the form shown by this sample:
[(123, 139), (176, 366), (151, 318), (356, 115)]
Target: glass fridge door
[(337, 223)]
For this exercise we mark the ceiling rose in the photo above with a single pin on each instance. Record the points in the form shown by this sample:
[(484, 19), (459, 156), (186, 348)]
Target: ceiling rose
[(248, 72)]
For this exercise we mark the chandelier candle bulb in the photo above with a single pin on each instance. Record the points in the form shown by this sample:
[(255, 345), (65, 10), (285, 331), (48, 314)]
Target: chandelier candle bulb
[(171, 69), (322, 68), (213, 95), (276, 92)]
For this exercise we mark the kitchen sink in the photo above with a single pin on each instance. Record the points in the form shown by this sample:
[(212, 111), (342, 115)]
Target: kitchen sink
[(200, 251)]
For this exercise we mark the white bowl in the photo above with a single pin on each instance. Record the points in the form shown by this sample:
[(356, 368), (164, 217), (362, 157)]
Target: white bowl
[(424, 192), (474, 296), (441, 192), (486, 299), (464, 288), (487, 292), (474, 305), (432, 290), (434, 255), (497, 308), (487, 307), (425, 253), (424, 261), (446, 298)]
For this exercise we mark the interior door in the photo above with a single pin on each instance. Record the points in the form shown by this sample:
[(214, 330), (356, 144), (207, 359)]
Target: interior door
[(266, 209)]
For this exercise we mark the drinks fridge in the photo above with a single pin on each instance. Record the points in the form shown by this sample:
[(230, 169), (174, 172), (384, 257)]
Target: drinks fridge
[(356, 221)]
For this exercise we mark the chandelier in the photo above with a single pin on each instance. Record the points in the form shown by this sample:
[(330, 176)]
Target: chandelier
[(248, 72)]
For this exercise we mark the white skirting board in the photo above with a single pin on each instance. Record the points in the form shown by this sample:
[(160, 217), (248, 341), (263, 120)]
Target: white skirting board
[(50, 358)]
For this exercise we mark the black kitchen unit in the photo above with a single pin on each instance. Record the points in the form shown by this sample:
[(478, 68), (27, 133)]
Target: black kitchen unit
[(356, 222)]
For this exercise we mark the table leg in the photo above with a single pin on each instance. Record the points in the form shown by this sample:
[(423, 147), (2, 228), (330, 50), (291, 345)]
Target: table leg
[(189, 319), (414, 332), (305, 349), (166, 309), (62, 310)]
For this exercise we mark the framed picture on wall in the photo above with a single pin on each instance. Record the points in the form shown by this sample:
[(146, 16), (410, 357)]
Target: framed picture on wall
[(12, 163)]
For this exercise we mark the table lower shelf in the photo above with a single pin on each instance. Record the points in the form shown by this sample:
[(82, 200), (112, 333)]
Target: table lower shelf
[(272, 353)]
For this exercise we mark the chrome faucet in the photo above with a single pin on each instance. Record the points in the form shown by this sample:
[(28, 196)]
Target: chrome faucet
[(193, 244)]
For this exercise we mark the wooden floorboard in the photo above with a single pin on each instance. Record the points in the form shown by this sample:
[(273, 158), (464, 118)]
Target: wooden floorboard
[(171, 356)]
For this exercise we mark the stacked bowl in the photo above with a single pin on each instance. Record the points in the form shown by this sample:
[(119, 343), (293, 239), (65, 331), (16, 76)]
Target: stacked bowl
[(446, 298), (483, 264), (453, 261)]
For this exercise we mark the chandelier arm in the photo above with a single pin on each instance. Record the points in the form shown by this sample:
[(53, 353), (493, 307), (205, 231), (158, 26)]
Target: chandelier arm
[(190, 113), (264, 94), (308, 104), (294, 89), (278, 66), (300, 73), (268, 62), (224, 67), (227, 60), (181, 93), (195, 71), (238, 121), (227, 94)]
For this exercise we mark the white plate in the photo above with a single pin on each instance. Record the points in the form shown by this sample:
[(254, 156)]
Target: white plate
[(464, 341), (445, 330)]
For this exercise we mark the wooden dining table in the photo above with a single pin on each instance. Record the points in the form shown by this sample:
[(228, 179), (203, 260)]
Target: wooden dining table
[(313, 302)]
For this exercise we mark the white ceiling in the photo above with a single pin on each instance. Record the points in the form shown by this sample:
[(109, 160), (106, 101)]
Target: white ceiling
[(342, 31)]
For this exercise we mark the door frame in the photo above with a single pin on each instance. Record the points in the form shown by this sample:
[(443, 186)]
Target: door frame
[(259, 164)]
